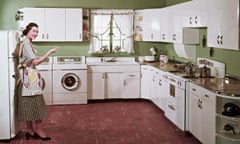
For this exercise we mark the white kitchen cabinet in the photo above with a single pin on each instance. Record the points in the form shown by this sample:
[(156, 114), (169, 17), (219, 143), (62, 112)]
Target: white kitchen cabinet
[(96, 85), (114, 85), (202, 108), (131, 85), (74, 24), (151, 25), (51, 22), (194, 13), (162, 90), (154, 79), (164, 18), (34, 15), (56, 24), (223, 24), (145, 81), (154, 85), (113, 81)]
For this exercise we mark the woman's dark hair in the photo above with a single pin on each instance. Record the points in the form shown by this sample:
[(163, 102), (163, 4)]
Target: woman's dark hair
[(29, 27)]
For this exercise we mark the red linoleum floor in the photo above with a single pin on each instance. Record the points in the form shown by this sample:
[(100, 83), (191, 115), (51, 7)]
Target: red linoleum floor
[(108, 122)]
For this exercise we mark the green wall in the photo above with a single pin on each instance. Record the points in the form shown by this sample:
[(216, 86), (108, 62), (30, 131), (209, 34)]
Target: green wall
[(8, 9)]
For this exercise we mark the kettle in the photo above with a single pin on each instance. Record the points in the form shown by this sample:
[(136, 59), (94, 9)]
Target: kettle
[(190, 70), (205, 72), (231, 109)]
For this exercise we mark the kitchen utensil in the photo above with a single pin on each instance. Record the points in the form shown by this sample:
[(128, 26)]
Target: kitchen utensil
[(229, 127), (205, 72), (163, 59), (190, 70), (141, 59), (153, 51), (231, 109), (149, 58)]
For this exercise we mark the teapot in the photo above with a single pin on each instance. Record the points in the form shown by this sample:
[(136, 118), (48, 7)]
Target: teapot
[(190, 69), (205, 72)]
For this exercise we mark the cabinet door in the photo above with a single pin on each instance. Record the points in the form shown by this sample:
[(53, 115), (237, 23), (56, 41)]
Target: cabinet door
[(164, 34), (55, 24), (131, 85), (195, 13), (114, 84), (163, 91), (223, 24), (208, 117), (175, 24), (74, 24), (151, 25), (154, 85), (35, 15), (145, 85), (96, 85), (195, 112)]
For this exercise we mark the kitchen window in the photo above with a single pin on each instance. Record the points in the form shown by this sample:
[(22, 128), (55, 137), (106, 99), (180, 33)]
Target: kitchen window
[(111, 31)]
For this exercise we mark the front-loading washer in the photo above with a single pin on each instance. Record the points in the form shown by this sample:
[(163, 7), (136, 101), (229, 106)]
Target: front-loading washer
[(45, 69), (69, 80)]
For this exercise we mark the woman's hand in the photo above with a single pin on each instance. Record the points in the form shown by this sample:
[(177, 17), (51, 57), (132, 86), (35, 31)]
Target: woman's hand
[(53, 50)]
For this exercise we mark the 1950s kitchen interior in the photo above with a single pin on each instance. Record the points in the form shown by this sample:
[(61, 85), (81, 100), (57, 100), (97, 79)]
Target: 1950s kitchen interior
[(180, 55)]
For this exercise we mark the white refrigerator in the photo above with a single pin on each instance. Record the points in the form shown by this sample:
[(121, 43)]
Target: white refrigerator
[(8, 120)]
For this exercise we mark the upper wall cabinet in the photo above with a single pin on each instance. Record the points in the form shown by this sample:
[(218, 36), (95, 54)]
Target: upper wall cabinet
[(55, 24), (150, 24), (164, 34), (74, 25), (194, 13), (223, 24), (51, 22)]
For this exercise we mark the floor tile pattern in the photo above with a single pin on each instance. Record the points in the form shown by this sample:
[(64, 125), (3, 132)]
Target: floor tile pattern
[(108, 122)]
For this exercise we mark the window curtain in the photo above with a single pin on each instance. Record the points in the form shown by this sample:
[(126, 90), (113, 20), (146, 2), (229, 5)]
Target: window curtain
[(100, 23)]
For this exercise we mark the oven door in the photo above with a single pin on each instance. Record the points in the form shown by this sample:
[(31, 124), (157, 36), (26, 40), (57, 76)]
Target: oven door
[(175, 104)]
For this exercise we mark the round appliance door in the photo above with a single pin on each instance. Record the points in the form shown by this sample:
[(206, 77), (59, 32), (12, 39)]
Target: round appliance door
[(70, 82)]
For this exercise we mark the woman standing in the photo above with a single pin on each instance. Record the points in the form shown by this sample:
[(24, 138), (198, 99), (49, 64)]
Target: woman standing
[(31, 105)]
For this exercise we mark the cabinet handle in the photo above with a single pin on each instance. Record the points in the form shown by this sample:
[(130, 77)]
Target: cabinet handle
[(159, 82), (221, 39), (218, 39), (104, 75), (163, 36), (196, 19), (80, 36), (207, 96), (171, 107), (131, 75), (190, 20), (193, 89), (199, 103)]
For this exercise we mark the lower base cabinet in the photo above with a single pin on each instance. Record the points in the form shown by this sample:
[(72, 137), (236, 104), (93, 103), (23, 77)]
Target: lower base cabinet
[(202, 110), (113, 82)]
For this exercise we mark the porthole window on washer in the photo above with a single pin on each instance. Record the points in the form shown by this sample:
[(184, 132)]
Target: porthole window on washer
[(70, 82)]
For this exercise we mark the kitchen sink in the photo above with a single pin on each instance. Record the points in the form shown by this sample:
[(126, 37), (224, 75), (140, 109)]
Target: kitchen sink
[(110, 60)]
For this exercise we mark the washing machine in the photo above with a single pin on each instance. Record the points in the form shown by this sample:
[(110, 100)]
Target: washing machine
[(69, 80), (45, 69)]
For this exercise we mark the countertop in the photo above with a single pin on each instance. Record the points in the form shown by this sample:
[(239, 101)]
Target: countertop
[(221, 86)]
